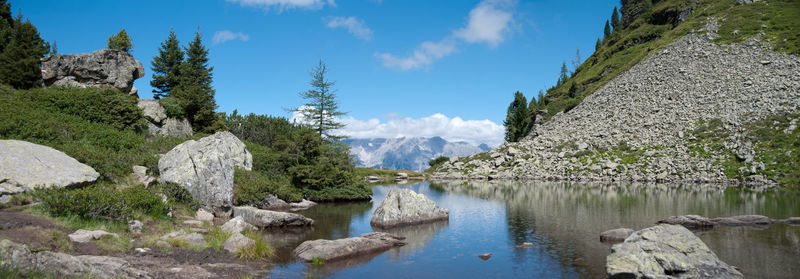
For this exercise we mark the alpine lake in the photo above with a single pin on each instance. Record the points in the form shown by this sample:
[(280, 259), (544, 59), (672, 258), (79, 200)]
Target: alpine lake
[(563, 220)]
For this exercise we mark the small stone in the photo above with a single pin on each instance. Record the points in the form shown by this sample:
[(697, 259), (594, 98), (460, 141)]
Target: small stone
[(83, 236), (135, 226), (163, 244), (524, 245), (204, 215), (143, 250), (193, 223), (485, 256)]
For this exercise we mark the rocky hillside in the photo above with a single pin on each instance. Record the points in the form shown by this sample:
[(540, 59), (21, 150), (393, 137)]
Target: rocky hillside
[(407, 153), (694, 110)]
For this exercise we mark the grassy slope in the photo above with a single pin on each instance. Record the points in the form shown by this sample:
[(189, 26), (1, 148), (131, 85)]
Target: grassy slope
[(653, 30)]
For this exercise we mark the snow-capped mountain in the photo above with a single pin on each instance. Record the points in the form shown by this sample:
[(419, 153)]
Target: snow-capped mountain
[(407, 153)]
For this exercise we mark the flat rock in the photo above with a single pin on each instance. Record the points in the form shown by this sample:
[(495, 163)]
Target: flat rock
[(331, 250), (236, 225), (302, 205), (30, 263), (204, 215), (666, 251), (269, 219), (615, 235), (792, 220), (205, 168), (689, 221), (743, 220), (83, 236), (25, 166), (237, 241), (405, 207)]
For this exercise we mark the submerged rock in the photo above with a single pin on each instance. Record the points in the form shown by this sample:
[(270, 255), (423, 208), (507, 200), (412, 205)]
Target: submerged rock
[(25, 166), (666, 251), (205, 168), (406, 207), (485, 256), (689, 221), (331, 250), (268, 219), (30, 263), (743, 220), (302, 205), (615, 235)]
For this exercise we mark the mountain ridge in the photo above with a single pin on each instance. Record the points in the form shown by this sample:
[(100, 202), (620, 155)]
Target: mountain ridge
[(411, 153)]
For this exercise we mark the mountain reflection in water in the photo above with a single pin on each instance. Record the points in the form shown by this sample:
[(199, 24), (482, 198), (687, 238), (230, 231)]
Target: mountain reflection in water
[(562, 220)]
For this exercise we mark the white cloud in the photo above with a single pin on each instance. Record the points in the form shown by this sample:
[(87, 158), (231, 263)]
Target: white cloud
[(424, 55), (282, 5), (489, 23), (225, 35), (353, 25), (451, 129)]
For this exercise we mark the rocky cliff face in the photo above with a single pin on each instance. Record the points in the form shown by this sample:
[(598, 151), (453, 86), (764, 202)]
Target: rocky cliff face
[(642, 125), (103, 69)]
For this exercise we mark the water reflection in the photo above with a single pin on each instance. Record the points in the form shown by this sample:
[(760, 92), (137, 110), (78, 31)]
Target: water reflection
[(567, 218), (416, 237)]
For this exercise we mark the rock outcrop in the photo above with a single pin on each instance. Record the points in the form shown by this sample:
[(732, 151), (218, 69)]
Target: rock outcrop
[(648, 115), (15, 255), (666, 251), (406, 207), (700, 222), (332, 250), (105, 68), (25, 165), (159, 124), (205, 168), (615, 235), (270, 219)]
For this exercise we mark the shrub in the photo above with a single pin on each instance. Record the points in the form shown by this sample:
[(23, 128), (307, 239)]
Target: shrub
[(177, 194), (172, 107), (253, 188), (438, 161), (101, 202), (260, 250)]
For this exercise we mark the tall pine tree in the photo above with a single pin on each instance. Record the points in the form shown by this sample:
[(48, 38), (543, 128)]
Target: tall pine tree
[(517, 118), (615, 18), (321, 107), (166, 66), (194, 90), (563, 74), (606, 31), (22, 49)]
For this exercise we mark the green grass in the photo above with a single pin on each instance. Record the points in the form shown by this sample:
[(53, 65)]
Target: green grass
[(216, 238), (260, 250), (317, 261)]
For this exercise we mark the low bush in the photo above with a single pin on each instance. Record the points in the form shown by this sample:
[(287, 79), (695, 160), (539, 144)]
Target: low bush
[(254, 187), (102, 202), (438, 161), (172, 107)]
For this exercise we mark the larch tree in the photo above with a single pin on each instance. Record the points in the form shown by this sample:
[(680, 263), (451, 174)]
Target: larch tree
[(321, 108), (120, 41), (166, 66)]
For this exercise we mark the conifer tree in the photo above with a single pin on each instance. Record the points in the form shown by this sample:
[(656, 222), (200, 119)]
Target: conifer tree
[(517, 118), (606, 31), (53, 49), (166, 66), (194, 90), (22, 50), (120, 41), (6, 24), (615, 19), (598, 44), (573, 90), (564, 74), (321, 107)]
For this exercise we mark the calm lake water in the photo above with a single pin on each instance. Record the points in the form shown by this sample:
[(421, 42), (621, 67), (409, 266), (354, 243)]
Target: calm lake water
[(562, 220)]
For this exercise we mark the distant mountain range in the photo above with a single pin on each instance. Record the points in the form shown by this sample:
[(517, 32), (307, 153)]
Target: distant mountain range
[(407, 153)]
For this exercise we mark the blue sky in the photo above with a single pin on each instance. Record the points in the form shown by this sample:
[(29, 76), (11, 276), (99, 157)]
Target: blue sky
[(403, 68)]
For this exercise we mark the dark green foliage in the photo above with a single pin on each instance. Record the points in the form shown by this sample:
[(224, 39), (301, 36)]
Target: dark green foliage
[(166, 66), (606, 31), (780, 17), (120, 41), (357, 190), (194, 89), (563, 74), (261, 129), (21, 49), (80, 123), (254, 187), (321, 107), (172, 107), (178, 195), (517, 118), (102, 202), (573, 90), (438, 161), (615, 18), (598, 44)]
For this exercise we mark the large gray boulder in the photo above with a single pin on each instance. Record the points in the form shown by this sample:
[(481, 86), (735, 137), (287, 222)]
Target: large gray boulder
[(25, 165), (159, 124), (666, 251), (105, 68), (205, 168), (406, 207), (15, 255), (331, 250), (270, 219)]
